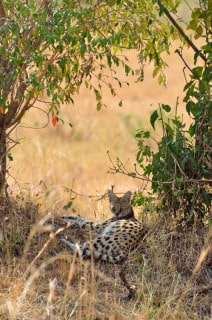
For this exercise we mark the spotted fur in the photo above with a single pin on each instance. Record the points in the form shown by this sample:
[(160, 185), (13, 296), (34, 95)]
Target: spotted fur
[(116, 237)]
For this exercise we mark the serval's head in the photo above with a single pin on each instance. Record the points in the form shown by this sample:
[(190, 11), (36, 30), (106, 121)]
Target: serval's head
[(120, 206)]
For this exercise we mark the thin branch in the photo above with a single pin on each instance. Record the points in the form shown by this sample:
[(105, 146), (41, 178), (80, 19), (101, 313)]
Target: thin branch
[(15, 143), (180, 30), (181, 57), (27, 105), (120, 168), (87, 196)]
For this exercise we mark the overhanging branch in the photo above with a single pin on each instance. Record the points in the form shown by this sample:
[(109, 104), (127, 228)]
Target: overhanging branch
[(180, 30)]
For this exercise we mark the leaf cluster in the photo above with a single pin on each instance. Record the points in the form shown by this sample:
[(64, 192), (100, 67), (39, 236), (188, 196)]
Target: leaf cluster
[(181, 167), (51, 48)]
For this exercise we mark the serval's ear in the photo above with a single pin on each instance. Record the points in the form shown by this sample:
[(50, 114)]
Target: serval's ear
[(111, 195), (127, 196)]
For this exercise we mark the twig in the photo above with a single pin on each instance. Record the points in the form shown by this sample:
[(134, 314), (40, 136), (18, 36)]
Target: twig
[(89, 196), (181, 57), (120, 169)]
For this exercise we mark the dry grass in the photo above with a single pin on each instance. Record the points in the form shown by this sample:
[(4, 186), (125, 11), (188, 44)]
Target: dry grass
[(41, 280), (38, 278)]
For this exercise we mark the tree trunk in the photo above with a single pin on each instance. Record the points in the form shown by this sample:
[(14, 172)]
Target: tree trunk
[(3, 146), (2, 14), (3, 154)]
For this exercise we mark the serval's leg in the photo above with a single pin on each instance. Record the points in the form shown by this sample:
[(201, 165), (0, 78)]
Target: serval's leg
[(131, 289)]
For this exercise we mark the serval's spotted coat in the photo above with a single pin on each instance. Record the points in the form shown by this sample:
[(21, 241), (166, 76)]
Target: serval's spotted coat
[(115, 238)]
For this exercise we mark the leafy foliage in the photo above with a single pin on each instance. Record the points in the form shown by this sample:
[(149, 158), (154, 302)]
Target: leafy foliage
[(180, 169), (49, 49), (53, 47)]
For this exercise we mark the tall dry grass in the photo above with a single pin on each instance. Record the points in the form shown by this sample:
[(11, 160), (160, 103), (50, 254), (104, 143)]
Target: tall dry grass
[(39, 279)]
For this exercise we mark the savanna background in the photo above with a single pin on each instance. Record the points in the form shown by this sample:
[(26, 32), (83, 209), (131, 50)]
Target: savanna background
[(51, 158), (52, 166)]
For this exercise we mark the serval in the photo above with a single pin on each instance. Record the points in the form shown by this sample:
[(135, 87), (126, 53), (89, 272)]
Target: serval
[(115, 238)]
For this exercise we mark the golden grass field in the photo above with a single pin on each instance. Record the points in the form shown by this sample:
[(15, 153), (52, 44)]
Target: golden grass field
[(43, 282)]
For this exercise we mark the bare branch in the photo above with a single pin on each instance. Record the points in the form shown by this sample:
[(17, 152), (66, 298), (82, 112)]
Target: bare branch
[(181, 57)]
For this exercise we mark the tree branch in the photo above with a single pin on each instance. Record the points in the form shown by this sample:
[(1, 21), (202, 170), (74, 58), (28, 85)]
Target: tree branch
[(180, 30)]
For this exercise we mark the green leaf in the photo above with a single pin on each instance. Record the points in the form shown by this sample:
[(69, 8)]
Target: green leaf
[(148, 169), (10, 157), (197, 72), (147, 151), (127, 69), (67, 205), (146, 134), (188, 85), (138, 135), (109, 60), (154, 116), (191, 107), (160, 79), (178, 124), (98, 95), (82, 49), (204, 87), (198, 32), (166, 107), (191, 130), (99, 106), (155, 71), (169, 131), (192, 25)]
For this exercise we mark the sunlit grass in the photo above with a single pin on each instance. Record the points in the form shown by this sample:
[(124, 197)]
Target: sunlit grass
[(38, 278)]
